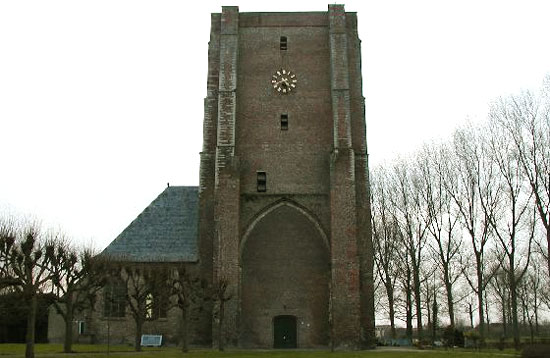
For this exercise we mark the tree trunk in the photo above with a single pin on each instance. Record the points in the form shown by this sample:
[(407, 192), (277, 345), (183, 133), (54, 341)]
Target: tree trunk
[(389, 292), (536, 309), (418, 302), (429, 313), (139, 330), (487, 319), (31, 326), (68, 342), (434, 319), (220, 328), (531, 330), (409, 305), (548, 245), (523, 312), (504, 316), (184, 345), (480, 290), (515, 323), (450, 301)]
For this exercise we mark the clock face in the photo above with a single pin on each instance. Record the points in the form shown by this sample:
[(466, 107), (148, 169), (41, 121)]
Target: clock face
[(284, 81)]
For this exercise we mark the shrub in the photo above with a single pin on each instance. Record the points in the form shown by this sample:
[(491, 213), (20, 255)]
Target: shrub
[(453, 337)]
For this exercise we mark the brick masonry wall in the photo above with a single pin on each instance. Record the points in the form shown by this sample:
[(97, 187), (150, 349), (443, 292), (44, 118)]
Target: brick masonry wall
[(206, 230), (227, 179), (318, 167), (285, 271), (295, 160)]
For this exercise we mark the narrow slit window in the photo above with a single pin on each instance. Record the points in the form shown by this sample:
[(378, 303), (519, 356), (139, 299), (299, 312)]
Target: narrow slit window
[(261, 182), (284, 122), (284, 43)]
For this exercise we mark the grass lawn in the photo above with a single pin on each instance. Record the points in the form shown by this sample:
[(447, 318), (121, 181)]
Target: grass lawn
[(100, 351)]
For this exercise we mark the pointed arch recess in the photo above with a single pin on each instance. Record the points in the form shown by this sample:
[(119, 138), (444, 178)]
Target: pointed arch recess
[(274, 206)]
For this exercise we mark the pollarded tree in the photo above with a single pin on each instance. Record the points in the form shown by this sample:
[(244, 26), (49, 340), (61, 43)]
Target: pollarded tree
[(146, 292), (7, 240), (26, 257), (186, 289), (76, 278)]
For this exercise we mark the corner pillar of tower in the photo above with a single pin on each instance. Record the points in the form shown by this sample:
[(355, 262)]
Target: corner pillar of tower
[(227, 181), (345, 286)]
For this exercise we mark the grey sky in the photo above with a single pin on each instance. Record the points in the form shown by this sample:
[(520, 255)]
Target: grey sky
[(101, 103)]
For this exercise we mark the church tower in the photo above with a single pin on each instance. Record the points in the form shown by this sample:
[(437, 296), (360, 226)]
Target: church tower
[(284, 211)]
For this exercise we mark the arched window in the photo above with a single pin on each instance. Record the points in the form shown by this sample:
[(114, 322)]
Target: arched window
[(114, 299)]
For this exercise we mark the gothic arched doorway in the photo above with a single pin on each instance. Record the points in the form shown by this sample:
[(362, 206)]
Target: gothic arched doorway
[(285, 273)]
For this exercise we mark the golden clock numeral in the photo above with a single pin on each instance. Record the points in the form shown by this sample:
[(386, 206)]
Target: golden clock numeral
[(284, 72), (293, 85), (273, 81), (279, 89), (278, 73), (292, 76), (284, 90), (294, 81)]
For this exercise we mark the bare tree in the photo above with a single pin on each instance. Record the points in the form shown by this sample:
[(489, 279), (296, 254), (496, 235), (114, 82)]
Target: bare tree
[(525, 119), (468, 180), (26, 260), (534, 285), (76, 278), (7, 241), (501, 287), (386, 241), (411, 216), (407, 286), (187, 289), (145, 285), (511, 221), (431, 292), (403, 293), (442, 221)]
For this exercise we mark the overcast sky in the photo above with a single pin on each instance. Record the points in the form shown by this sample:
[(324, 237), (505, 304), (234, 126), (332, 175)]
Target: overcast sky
[(101, 102)]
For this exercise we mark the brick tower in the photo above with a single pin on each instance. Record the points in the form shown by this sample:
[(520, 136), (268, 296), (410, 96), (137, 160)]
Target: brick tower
[(284, 212)]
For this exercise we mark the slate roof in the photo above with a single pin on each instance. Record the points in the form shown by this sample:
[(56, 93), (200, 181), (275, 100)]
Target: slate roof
[(166, 231)]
